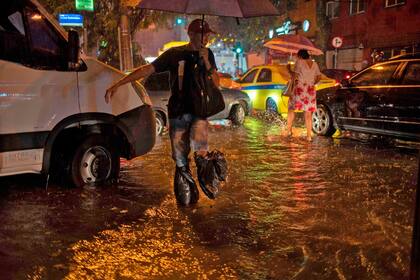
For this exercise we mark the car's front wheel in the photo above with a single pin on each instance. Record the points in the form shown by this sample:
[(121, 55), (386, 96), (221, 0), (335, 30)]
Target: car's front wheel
[(237, 114), (322, 121), (94, 161)]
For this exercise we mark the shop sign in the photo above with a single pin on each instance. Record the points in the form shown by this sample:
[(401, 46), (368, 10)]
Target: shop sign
[(287, 27)]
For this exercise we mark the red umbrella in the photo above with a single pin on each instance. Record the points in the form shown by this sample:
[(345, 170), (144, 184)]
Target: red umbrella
[(292, 43), (228, 8)]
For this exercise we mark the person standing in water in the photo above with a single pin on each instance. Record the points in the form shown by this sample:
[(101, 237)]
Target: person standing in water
[(186, 131), (306, 75)]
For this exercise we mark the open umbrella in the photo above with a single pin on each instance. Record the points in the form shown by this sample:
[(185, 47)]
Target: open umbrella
[(291, 44), (228, 8)]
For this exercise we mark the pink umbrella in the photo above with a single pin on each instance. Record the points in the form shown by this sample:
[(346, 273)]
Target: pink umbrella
[(292, 43)]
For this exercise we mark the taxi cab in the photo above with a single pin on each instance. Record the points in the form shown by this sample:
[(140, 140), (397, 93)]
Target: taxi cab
[(265, 85)]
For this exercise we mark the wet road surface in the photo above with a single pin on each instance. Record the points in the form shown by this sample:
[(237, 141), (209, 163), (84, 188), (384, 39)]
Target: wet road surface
[(330, 209)]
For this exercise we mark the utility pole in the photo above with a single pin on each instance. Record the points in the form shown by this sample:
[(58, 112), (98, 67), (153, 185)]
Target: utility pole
[(83, 6), (85, 34), (124, 42)]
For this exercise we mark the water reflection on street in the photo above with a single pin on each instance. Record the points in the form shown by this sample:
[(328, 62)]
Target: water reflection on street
[(330, 209)]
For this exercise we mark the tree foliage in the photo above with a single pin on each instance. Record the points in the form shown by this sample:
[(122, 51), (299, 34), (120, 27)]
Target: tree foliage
[(250, 32), (102, 24), (324, 24)]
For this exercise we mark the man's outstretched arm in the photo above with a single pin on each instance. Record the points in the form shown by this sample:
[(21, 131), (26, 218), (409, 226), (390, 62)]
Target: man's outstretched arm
[(139, 73)]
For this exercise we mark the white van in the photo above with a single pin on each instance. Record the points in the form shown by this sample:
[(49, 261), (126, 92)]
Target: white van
[(53, 115)]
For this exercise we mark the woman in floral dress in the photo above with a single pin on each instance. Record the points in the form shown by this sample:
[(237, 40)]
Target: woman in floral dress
[(306, 74)]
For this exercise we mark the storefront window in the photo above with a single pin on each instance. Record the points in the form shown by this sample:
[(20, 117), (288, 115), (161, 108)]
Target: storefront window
[(333, 9), (357, 6), (390, 3)]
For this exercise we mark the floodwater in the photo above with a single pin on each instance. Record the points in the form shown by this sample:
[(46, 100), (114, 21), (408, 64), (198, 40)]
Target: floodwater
[(330, 209)]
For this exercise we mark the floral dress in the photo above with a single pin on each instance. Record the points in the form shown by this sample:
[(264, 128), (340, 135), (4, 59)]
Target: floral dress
[(304, 94)]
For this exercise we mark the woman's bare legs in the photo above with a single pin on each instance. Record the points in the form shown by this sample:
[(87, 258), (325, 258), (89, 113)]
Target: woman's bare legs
[(290, 119), (308, 123)]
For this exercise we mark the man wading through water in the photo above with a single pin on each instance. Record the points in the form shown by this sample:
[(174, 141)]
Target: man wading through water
[(186, 130)]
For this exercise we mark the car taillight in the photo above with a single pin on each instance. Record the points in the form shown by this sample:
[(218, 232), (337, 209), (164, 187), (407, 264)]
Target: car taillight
[(348, 76)]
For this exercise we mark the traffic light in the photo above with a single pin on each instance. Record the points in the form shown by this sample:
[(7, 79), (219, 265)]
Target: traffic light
[(238, 48), (179, 21)]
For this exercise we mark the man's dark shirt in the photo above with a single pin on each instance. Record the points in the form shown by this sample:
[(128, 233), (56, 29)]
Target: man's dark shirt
[(180, 101)]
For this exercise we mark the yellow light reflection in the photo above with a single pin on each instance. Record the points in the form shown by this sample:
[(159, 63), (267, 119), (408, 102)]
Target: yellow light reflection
[(144, 250), (36, 17)]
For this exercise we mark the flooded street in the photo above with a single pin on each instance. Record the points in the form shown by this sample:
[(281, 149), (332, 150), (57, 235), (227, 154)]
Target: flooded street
[(329, 209)]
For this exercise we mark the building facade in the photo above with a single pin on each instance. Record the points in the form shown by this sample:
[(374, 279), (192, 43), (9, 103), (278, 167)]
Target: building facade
[(371, 30), (304, 17)]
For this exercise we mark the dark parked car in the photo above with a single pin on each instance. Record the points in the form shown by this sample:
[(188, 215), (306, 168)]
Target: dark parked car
[(338, 74), (237, 103), (383, 99)]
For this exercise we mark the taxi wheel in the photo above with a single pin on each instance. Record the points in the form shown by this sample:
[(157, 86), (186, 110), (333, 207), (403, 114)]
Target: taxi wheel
[(271, 106), (322, 121)]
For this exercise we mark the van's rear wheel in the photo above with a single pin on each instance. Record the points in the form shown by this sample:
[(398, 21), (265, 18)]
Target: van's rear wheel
[(94, 162), (160, 124)]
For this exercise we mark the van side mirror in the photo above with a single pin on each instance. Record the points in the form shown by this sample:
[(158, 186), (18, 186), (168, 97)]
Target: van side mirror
[(73, 50)]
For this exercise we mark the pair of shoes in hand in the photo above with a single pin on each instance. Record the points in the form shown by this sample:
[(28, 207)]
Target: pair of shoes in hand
[(211, 170)]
